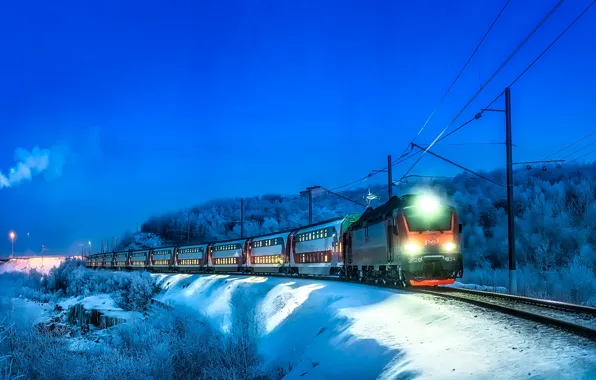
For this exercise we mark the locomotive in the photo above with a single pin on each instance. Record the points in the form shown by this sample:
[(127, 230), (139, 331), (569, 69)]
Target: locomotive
[(412, 240)]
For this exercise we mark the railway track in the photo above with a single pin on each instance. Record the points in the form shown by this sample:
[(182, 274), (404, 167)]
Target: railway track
[(576, 319)]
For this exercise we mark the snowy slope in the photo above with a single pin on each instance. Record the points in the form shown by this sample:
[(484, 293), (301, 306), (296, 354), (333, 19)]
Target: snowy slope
[(40, 264), (332, 330)]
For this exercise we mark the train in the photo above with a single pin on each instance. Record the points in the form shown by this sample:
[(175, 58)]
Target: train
[(412, 240)]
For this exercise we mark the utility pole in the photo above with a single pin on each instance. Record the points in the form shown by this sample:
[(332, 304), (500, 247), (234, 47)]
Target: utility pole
[(389, 178), (241, 217), (309, 190), (510, 211), (309, 205)]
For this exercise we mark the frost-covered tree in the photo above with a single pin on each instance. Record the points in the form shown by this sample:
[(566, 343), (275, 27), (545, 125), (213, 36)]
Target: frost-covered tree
[(555, 218)]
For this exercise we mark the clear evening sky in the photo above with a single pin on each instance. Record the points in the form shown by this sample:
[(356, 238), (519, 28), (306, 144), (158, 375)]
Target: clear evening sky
[(151, 106)]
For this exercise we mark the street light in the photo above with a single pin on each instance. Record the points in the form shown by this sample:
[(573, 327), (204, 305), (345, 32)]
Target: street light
[(12, 236), (89, 246)]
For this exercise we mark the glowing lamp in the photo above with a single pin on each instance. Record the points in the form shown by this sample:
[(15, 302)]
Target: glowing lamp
[(11, 235), (428, 204), (449, 247), (412, 248)]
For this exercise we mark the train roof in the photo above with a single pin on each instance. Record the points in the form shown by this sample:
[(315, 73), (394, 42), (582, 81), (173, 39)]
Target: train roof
[(275, 233), (193, 245), (371, 215), (242, 240), (328, 221)]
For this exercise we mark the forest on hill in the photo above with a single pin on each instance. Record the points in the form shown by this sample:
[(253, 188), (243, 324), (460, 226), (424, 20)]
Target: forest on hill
[(555, 224)]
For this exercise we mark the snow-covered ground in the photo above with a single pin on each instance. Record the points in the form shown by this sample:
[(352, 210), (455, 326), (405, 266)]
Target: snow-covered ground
[(351, 331), (40, 264), (486, 288)]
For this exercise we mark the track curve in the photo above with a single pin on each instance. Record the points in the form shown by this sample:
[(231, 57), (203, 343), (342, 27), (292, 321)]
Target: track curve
[(558, 313)]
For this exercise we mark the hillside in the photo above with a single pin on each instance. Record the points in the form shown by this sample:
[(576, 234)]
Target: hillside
[(555, 225)]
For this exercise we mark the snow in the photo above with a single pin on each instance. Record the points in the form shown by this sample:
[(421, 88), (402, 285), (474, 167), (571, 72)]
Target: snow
[(461, 285), (27, 311), (40, 264), (332, 329)]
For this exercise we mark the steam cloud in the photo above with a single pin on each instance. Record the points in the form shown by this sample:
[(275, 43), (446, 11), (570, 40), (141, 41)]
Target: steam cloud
[(30, 164)]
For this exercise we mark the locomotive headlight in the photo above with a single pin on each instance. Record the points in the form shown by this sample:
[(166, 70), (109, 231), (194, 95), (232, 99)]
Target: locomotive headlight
[(428, 204), (412, 248), (449, 247)]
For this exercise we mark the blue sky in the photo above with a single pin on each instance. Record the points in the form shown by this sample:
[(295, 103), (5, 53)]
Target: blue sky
[(153, 106)]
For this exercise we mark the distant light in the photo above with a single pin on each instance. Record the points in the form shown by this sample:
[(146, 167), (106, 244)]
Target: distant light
[(12, 235), (89, 242)]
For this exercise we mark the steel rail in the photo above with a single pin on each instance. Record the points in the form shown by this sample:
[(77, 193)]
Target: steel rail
[(574, 328), (564, 306)]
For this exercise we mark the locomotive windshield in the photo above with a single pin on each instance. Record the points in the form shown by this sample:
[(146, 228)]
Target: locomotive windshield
[(420, 221)]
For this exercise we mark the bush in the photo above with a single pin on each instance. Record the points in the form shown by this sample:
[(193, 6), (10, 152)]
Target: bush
[(168, 345), (575, 283), (131, 290)]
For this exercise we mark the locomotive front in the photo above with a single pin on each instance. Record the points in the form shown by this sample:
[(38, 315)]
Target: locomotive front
[(430, 242)]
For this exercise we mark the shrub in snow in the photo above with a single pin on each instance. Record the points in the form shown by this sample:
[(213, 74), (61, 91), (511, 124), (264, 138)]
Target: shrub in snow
[(130, 290), (168, 345)]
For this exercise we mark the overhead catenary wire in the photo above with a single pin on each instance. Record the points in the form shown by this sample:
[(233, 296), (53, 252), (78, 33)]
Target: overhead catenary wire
[(479, 115), (513, 53), (477, 143), (526, 69), (552, 43), (405, 153), (343, 197), (457, 77), (579, 150), (582, 156), (570, 145)]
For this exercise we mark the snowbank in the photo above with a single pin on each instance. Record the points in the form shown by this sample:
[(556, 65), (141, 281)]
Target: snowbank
[(40, 264), (331, 330)]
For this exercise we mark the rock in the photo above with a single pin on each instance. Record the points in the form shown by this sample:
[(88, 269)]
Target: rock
[(79, 316), (58, 308)]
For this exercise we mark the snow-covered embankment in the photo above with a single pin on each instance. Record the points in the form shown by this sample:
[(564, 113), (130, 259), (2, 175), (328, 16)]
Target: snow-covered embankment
[(332, 330)]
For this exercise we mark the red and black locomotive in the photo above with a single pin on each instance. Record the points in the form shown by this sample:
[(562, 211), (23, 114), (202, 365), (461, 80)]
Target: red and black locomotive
[(411, 240)]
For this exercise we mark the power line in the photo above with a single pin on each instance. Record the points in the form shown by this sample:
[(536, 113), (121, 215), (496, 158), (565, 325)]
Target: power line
[(580, 149), (457, 77), (353, 182), (476, 117), (500, 67), (479, 143), (570, 145), (346, 198), (552, 43), (511, 55), (582, 156)]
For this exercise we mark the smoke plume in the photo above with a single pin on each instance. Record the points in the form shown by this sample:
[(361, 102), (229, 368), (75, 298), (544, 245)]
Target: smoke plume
[(30, 164)]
